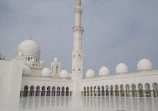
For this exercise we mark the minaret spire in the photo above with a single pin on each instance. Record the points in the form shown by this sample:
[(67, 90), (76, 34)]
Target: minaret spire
[(77, 29), (77, 67)]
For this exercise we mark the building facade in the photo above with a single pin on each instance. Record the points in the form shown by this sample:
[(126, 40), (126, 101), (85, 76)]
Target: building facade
[(34, 79)]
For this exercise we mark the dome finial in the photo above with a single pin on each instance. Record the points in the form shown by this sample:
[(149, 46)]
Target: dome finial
[(30, 37)]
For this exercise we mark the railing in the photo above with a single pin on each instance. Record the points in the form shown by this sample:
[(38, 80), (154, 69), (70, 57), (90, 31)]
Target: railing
[(45, 93), (133, 93)]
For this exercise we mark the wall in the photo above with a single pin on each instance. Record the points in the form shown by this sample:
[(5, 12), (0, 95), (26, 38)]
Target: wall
[(10, 79), (46, 81), (130, 78)]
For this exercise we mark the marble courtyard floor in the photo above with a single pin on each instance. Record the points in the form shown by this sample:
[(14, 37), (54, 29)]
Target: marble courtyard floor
[(81, 104)]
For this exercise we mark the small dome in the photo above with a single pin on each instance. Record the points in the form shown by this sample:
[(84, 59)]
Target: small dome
[(26, 71), (29, 47), (64, 74), (45, 72), (90, 73), (121, 68), (41, 62), (104, 71), (144, 65), (33, 60), (55, 59)]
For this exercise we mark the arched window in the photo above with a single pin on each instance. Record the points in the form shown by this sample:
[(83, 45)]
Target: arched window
[(116, 90), (48, 91), (102, 89), (107, 90), (67, 91), (98, 90), (32, 90), (111, 90), (53, 91), (63, 90), (134, 94), (147, 89), (140, 89), (58, 91), (43, 91), (127, 90), (94, 90), (121, 90), (87, 91), (84, 91), (91, 91), (25, 91), (155, 89), (37, 90), (56, 69)]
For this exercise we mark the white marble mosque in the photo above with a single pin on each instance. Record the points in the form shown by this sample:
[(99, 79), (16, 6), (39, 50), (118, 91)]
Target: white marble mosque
[(26, 75)]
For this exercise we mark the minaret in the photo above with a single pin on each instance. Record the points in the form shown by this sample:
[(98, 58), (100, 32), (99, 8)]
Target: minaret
[(77, 50)]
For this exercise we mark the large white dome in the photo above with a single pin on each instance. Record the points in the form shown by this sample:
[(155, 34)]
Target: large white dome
[(104, 71), (144, 65), (45, 72), (64, 74), (90, 73), (29, 47), (26, 71), (121, 68)]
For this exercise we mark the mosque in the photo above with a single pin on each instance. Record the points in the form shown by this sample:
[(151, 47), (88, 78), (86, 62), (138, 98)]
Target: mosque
[(26, 74)]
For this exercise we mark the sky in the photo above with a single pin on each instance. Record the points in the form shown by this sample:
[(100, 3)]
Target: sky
[(115, 31)]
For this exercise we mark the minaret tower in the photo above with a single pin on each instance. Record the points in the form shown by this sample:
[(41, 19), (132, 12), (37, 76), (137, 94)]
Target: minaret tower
[(77, 50)]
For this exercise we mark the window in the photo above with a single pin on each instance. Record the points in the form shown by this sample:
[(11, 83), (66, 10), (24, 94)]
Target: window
[(52, 69), (56, 69)]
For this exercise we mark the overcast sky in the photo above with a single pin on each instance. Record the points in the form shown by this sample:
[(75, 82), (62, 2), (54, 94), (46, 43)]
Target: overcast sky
[(115, 31)]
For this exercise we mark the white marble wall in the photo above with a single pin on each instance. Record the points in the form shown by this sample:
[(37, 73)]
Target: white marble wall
[(10, 79), (129, 78)]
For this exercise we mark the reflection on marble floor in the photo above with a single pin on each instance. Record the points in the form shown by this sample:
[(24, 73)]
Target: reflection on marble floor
[(88, 104)]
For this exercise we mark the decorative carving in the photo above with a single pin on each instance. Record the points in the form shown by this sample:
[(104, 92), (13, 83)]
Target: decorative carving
[(79, 29), (73, 56), (79, 55), (78, 2), (79, 70), (77, 10), (73, 70)]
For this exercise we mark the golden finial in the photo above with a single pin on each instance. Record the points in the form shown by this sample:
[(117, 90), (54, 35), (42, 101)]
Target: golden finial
[(30, 37)]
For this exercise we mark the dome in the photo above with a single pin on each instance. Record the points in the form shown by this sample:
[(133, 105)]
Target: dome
[(33, 60), (29, 47), (64, 74), (45, 72), (144, 65), (20, 54), (104, 71), (26, 71), (90, 73), (55, 59), (121, 68), (41, 62)]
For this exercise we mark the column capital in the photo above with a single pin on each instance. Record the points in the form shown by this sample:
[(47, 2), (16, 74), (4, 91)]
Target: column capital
[(77, 10), (78, 2), (78, 29)]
